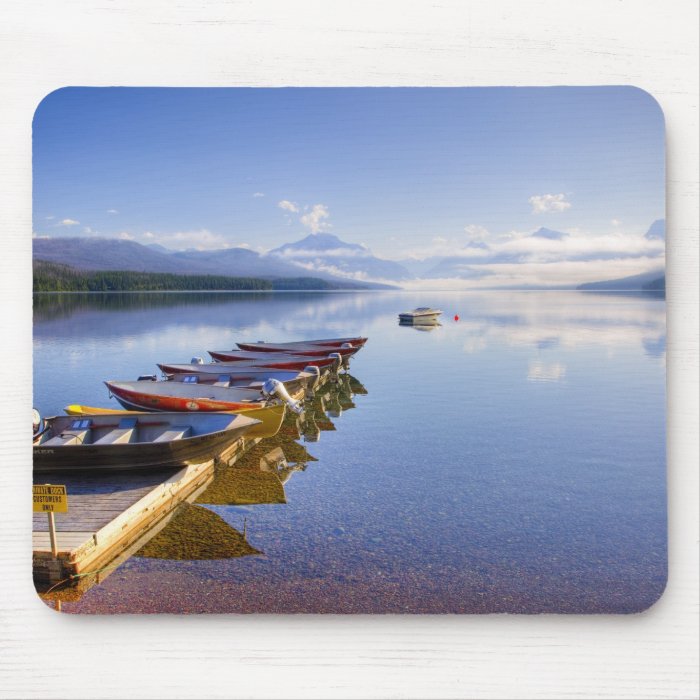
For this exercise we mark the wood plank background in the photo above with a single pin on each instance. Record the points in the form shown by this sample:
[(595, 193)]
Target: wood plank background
[(652, 44)]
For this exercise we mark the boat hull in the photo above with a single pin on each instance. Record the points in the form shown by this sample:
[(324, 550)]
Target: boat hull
[(270, 417), (310, 351), (139, 455), (261, 346), (271, 360), (252, 377), (158, 398)]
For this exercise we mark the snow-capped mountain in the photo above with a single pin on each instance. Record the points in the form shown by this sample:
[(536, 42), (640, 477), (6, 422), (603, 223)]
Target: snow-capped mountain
[(326, 253)]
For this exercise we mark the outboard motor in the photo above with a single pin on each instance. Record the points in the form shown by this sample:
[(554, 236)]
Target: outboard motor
[(345, 346), (37, 423), (196, 361), (147, 378), (316, 371), (274, 387)]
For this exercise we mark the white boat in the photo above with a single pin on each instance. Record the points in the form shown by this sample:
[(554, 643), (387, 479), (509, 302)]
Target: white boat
[(423, 315)]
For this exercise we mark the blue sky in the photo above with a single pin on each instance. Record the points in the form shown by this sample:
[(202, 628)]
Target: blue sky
[(407, 172)]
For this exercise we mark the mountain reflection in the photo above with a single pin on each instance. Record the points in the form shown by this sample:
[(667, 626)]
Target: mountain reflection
[(543, 319)]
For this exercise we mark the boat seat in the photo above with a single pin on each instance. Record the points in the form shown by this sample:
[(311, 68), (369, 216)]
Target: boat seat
[(174, 432), (121, 435), (223, 380), (77, 434)]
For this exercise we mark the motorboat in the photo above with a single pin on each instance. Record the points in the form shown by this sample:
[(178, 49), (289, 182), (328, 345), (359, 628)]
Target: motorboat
[(180, 396), (423, 315)]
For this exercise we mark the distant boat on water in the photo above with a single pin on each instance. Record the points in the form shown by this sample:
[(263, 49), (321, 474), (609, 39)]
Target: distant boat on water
[(423, 315)]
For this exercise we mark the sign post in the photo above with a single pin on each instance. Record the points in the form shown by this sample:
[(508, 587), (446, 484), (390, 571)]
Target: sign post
[(50, 499)]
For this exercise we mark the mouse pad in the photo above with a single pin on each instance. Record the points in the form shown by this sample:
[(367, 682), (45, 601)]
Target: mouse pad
[(349, 350)]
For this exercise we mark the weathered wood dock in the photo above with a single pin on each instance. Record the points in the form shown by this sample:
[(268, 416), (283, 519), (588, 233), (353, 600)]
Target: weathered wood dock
[(108, 514)]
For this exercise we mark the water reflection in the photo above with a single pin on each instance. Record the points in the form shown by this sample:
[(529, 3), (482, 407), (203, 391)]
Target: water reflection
[(196, 533), (510, 461), (258, 477), (423, 327), (543, 372)]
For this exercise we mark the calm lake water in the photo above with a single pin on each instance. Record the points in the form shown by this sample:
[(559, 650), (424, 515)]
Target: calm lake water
[(510, 461)]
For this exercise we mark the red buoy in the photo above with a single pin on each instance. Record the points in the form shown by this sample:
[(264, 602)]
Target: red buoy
[(456, 317)]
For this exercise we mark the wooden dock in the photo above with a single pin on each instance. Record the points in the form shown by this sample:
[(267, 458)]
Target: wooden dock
[(108, 514), (111, 516)]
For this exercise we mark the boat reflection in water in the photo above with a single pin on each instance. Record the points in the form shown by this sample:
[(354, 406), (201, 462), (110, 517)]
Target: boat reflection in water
[(420, 325), (259, 475), (330, 401)]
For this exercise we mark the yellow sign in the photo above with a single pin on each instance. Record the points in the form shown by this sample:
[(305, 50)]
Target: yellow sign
[(49, 498)]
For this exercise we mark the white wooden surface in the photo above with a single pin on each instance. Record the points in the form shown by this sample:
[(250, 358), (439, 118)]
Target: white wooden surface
[(649, 43)]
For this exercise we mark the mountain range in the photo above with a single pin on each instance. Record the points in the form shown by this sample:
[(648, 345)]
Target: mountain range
[(319, 255), (306, 258)]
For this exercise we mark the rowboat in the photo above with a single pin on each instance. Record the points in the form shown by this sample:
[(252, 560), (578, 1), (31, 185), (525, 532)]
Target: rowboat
[(344, 350), (263, 346), (152, 395), (422, 315), (232, 375), (275, 360), (270, 418), (104, 442), (177, 396)]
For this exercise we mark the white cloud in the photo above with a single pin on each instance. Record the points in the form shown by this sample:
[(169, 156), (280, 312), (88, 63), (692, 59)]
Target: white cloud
[(88, 230), (258, 194), (201, 239), (441, 247), (476, 232), (545, 203), (579, 245), (125, 236), (288, 206), (112, 211), (314, 220), (68, 222), (49, 218), (615, 222), (304, 253)]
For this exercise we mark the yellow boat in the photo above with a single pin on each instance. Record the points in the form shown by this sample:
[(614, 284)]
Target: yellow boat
[(270, 417)]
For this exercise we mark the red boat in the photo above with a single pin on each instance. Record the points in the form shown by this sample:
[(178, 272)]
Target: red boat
[(180, 396), (305, 350), (232, 376), (245, 359), (305, 345)]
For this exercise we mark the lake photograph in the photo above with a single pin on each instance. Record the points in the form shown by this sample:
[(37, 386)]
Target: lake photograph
[(349, 350)]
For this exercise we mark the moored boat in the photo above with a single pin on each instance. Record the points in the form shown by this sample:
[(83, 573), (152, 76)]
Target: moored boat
[(103, 442), (308, 350), (152, 395), (275, 360), (263, 346), (269, 418), (217, 373), (177, 396)]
